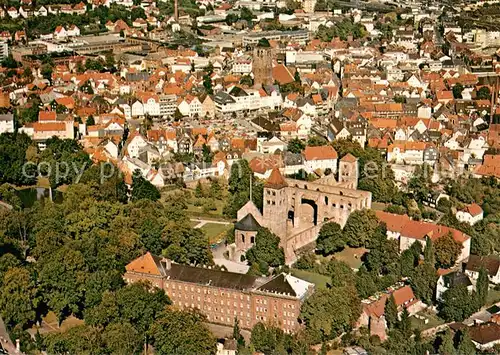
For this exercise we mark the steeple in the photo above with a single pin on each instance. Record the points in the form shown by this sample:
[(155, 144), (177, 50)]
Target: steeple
[(276, 180)]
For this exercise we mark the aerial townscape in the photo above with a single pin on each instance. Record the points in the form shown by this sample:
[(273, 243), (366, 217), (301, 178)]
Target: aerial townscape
[(184, 177)]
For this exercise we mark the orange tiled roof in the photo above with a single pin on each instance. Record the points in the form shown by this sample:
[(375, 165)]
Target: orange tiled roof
[(320, 153)]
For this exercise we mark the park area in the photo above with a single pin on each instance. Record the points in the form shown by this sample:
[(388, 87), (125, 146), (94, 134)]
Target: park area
[(215, 232)]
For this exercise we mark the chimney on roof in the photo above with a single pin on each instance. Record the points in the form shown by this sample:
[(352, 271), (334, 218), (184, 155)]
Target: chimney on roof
[(168, 263)]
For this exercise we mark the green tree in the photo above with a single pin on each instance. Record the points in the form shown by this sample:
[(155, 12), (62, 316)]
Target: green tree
[(266, 249), (447, 347), (341, 273), (456, 304), (207, 84), (482, 287), (237, 334), (421, 182), (423, 282), (465, 344), (330, 238), (404, 324), (90, 121), (360, 227), (239, 188), (13, 158), (391, 312), (246, 80), (181, 332), (266, 338), (198, 191), (316, 141), (296, 146), (408, 262), (110, 60), (246, 14), (122, 338), (7, 261), (18, 298), (447, 251), (137, 12), (143, 189), (429, 252), (62, 277), (457, 91), (138, 304), (328, 313), (483, 93), (215, 189), (46, 71), (82, 339), (365, 284), (263, 42)]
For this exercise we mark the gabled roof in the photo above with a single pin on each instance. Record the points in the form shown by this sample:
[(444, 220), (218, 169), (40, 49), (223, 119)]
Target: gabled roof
[(320, 153)]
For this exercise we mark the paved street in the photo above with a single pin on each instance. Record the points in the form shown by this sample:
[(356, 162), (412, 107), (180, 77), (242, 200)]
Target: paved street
[(202, 222)]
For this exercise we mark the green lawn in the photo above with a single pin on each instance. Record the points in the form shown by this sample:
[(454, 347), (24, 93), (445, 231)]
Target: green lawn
[(319, 280), (493, 297), (434, 321), (197, 211), (351, 256), (215, 231)]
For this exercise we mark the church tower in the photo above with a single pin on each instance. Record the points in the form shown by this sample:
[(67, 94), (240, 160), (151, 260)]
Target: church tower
[(349, 170), (276, 204), (262, 66)]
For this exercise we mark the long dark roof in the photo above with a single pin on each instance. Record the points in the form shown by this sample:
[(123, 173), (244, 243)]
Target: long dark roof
[(247, 223), (204, 276)]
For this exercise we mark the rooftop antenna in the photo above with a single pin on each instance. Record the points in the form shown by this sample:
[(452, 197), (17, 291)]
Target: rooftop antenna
[(251, 186)]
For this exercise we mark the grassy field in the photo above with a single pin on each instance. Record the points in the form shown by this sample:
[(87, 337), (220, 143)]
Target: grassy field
[(351, 256), (493, 297), (434, 321), (215, 231), (197, 211), (319, 280)]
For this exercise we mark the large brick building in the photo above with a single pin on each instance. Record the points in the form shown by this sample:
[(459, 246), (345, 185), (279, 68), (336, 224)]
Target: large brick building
[(222, 295)]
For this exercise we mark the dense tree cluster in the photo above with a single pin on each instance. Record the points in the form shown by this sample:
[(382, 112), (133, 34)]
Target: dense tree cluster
[(266, 252), (239, 188), (485, 192), (80, 248), (341, 29), (374, 173)]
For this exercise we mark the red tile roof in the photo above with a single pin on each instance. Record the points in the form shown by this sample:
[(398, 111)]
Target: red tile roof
[(473, 209), (417, 229), (275, 180), (320, 153)]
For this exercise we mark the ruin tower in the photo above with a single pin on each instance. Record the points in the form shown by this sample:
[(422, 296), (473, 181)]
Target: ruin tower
[(349, 171), (262, 66), (276, 204)]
